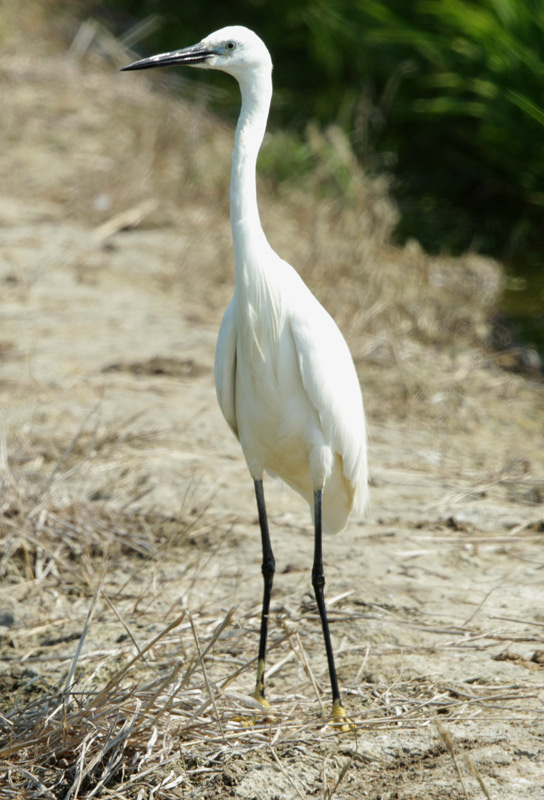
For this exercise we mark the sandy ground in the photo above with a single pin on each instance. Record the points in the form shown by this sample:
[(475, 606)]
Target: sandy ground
[(437, 598)]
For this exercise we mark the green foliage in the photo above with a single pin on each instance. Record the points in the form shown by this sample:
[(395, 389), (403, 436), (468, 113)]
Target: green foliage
[(467, 123), (448, 95), (320, 161), (284, 157)]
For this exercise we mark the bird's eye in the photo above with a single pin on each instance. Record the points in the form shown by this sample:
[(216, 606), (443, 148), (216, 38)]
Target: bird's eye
[(230, 46)]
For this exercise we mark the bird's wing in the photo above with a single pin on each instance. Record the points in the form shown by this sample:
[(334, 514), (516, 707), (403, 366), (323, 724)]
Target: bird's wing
[(331, 383), (225, 367)]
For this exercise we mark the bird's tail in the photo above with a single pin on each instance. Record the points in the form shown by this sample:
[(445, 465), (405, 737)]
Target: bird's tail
[(342, 497)]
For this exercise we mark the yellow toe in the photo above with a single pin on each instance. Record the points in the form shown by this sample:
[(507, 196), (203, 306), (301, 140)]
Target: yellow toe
[(260, 698), (252, 718), (340, 722)]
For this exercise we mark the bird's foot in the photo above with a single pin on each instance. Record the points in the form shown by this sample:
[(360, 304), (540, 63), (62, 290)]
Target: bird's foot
[(260, 698), (340, 722), (263, 702)]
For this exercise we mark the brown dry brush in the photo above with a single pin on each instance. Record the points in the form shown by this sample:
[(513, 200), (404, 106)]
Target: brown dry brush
[(160, 711), (75, 742), (167, 714), (162, 718)]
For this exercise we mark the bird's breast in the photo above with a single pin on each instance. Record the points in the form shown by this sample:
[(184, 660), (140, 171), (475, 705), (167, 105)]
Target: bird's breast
[(272, 409)]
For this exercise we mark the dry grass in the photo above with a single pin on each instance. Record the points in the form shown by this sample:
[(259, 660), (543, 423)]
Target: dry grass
[(163, 712)]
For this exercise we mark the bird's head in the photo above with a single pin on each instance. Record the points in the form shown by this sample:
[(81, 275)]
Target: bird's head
[(235, 49)]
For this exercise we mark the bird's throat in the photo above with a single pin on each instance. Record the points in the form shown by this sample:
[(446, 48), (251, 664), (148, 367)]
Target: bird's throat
[(247, 232)]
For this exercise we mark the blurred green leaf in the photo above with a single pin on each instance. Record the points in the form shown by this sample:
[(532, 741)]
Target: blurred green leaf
[(526, 105)]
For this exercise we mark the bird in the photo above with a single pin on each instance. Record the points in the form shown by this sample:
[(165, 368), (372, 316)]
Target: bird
[(285, 378)]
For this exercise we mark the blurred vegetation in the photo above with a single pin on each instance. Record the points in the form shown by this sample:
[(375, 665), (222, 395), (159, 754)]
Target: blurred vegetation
[(447, 96)]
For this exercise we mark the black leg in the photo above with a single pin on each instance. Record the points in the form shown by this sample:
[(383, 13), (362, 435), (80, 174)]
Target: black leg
[(268, 568), (318, 582)]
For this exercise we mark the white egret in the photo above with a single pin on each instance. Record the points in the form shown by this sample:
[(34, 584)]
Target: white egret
[(285, 379)]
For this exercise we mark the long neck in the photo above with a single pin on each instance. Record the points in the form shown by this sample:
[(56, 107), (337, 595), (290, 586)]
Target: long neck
[(247, 233)]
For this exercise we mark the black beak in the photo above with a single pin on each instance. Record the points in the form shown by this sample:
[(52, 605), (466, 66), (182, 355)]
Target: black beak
[(196, 54)]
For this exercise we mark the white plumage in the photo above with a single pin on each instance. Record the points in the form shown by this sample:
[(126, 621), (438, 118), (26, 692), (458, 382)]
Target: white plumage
[(288, 389), (285, 379)]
